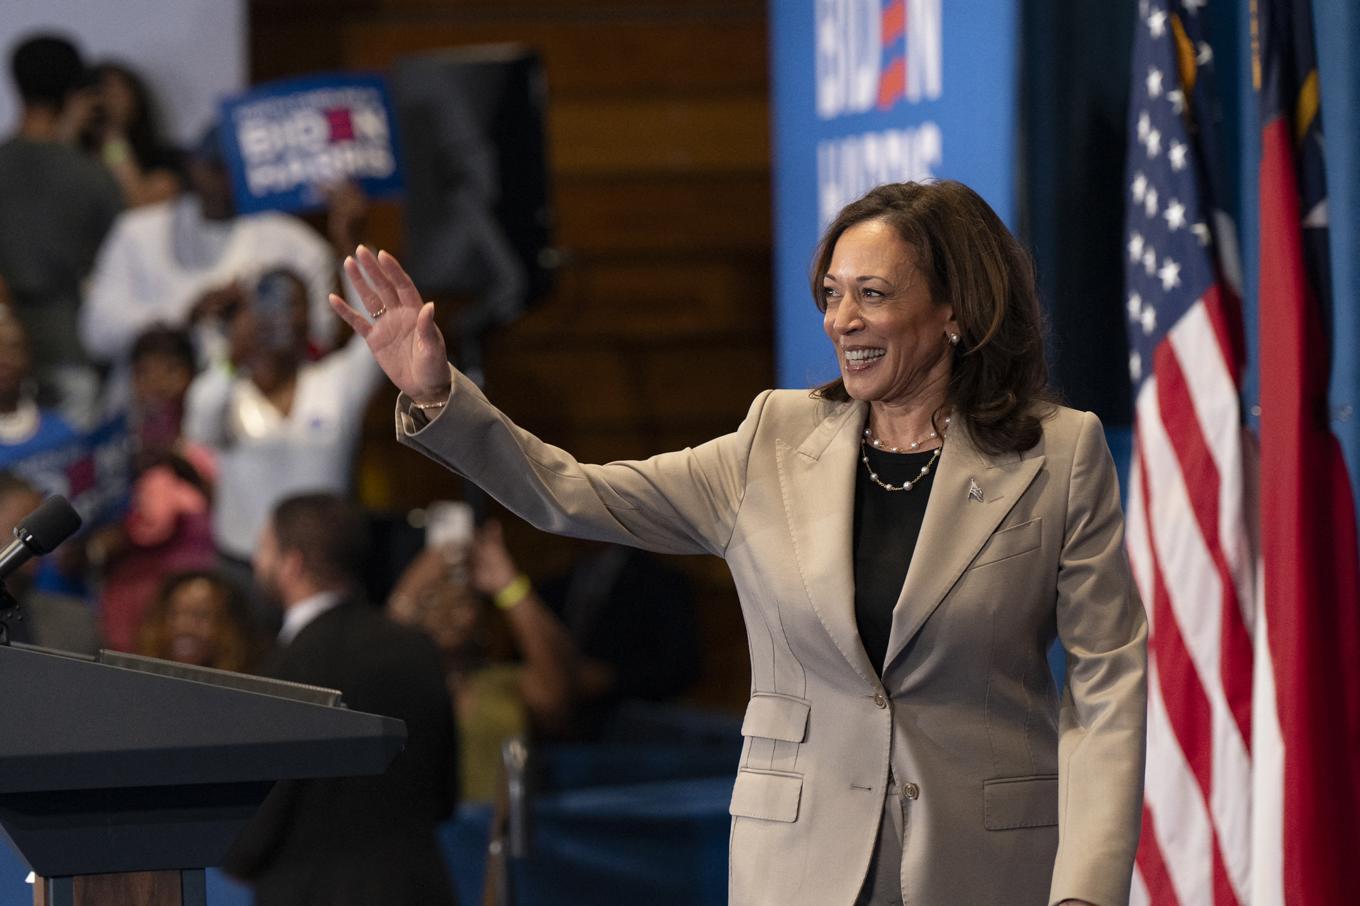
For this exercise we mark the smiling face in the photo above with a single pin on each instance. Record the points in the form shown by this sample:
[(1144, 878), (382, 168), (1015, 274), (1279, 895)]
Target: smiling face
[(195, 622), (891, 337)]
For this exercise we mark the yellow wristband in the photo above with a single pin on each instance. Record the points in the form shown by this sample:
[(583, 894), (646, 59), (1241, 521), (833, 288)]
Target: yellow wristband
[(116, 152), (513, 593)]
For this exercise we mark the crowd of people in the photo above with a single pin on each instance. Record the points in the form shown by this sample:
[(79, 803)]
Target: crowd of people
[(149, 329), (174, 368)]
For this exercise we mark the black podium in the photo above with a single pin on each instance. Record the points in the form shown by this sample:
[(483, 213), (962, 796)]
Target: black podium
[(122, 773)]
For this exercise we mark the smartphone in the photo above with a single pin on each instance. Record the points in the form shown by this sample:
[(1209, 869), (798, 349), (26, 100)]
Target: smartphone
[(448, 523), (273, 299)]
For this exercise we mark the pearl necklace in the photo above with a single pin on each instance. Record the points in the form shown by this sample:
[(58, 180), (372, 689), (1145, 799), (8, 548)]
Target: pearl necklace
[(910, 448), (906, 485)]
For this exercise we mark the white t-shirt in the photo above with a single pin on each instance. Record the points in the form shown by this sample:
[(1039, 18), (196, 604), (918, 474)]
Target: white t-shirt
[(264, 456), (140, 278)]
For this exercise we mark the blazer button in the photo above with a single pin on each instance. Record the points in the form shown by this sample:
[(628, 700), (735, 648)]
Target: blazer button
[(911, 791), (880, 699)]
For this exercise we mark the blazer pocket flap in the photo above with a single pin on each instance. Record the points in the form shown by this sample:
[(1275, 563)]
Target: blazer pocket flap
[(1009, 542), (769, 795), (773, 716), (1010, 802)]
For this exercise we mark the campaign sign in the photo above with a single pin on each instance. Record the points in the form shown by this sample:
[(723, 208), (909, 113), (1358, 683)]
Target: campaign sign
[(868, 92), (91, 468), (286, 142)]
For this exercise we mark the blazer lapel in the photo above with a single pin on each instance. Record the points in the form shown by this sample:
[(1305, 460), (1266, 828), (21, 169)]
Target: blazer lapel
[(957, 524), (817, 480)]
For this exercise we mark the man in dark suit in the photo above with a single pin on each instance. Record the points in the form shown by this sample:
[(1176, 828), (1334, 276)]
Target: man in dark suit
[(353, 841)]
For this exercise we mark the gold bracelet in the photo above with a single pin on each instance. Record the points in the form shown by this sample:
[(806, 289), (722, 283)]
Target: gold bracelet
[(436, 404), (513, 593)]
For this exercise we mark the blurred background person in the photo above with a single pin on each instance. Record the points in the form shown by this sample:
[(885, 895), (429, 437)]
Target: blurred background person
[(352, 841), (633, 620), (38, 444), (200, 618), (190, 261), (124, 133), (277, 423), (56, 205), (34, 439), (452, 594), (163, 365), (51, 619), (167, 526)]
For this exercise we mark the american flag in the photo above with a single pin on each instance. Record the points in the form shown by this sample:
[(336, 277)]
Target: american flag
[(1188, 523)]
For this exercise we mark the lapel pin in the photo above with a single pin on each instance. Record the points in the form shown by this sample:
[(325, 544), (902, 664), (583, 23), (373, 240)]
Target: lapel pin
[(974, 492)]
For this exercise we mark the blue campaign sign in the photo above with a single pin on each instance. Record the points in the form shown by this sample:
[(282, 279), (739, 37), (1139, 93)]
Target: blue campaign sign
[(874, 91), (285, 142)]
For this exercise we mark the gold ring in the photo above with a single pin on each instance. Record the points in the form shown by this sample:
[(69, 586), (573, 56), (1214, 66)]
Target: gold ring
[(375, 315)]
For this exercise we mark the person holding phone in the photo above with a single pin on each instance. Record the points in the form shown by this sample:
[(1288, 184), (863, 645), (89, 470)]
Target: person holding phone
[(467, 593), (276, 422)]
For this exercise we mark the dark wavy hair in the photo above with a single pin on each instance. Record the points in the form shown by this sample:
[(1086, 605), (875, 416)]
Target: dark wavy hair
[(999, 383)]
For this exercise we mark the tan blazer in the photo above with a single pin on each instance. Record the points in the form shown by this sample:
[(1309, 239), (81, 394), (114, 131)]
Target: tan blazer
[(1011, 795)]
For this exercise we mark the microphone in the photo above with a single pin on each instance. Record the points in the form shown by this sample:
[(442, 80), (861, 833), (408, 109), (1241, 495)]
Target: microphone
[(39, 533)]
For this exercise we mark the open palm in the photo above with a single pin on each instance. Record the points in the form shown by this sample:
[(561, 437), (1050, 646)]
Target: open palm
[(402, 335)]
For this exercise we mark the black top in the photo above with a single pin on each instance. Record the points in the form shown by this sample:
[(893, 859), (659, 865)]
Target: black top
[(887, 524)]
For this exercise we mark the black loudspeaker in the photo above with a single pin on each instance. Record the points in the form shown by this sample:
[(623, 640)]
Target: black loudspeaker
[(478, 219)]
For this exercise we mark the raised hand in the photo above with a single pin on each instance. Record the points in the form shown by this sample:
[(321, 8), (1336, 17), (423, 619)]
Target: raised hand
[(402, 335)]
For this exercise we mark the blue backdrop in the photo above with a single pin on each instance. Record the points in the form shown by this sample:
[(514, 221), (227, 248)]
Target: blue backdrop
[(874, 91)]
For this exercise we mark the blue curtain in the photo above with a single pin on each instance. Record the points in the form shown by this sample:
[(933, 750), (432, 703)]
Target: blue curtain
[(1338, 30)]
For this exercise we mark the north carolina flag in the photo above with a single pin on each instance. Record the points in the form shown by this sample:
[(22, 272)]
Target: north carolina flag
[(1306, 802)]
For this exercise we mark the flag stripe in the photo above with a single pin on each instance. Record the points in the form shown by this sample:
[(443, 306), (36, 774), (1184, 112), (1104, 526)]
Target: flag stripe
[(1225, 315), (1152, 867), (1267, 788), (1202, 481), (1181, 552), (1187, 715), (1185, 836), (1206, 356)]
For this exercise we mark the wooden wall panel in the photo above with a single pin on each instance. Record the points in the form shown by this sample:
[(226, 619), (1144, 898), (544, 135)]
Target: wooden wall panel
[(658, 332), (590, 57), (683, 300), (686, 216), (659, 135)]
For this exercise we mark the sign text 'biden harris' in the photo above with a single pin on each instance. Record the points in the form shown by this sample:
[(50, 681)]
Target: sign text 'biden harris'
[(286, 142)]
